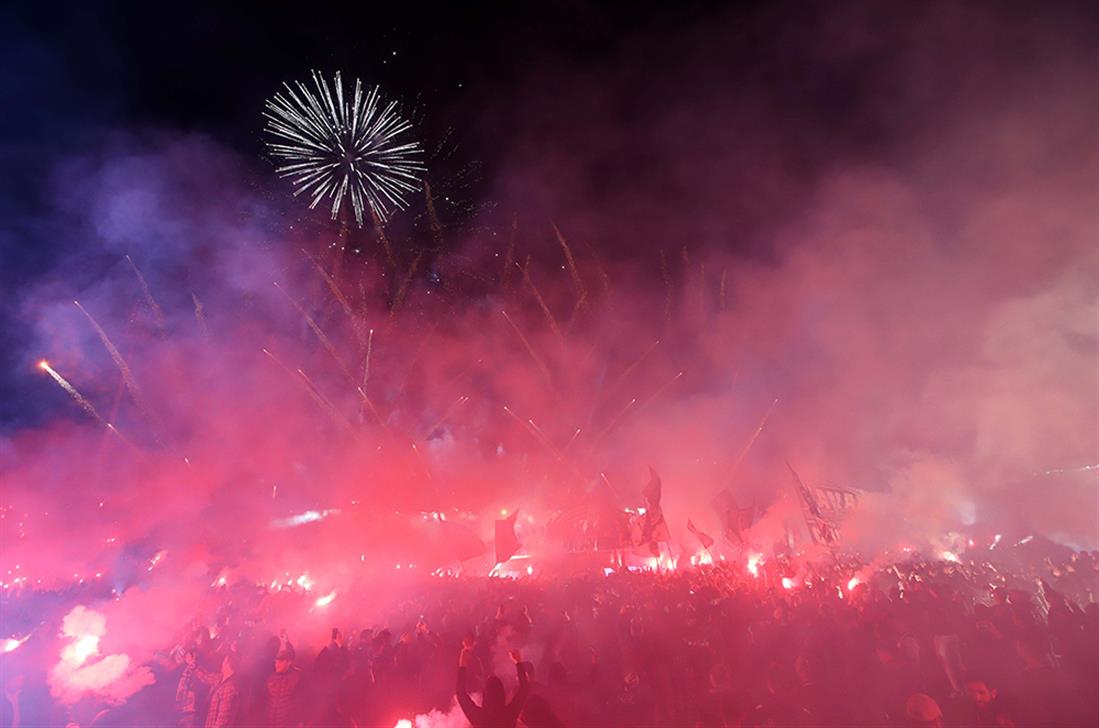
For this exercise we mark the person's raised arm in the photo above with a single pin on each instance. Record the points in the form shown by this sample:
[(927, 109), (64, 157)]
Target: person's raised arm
[(520, 699), (471, 709)]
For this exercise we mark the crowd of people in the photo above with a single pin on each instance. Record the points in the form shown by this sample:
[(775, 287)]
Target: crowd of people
[(919, 643)]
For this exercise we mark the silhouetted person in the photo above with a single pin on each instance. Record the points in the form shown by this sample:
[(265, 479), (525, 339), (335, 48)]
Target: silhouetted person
[(495, 711), (285, 693)]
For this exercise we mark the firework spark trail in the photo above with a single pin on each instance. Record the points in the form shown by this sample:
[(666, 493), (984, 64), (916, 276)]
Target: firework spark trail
[(1059, 471), (542, 303), (76, 395), (321, 336), (379, 230), (581, 301), (158, 313), (432, 216), (509, 254), (550, 318), (81, 400), (343, 148), (366, 379), (572, 440), (528, 425), (369, 404), (462, 399), (398, 299), (530, 350), (200, 317), (577, 281), (116, 356), (615, 420), (636, 363), (751, 441), (333, 412), (546, 438), (663, 388), (307, 384), (356, 323), (614, 423), (422, 461)]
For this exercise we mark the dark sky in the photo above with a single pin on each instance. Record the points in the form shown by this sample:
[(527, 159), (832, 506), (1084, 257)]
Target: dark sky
[(73, 73), (504, 76)]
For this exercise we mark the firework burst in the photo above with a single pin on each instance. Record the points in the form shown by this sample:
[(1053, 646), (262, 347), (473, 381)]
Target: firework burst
[(352, 147)]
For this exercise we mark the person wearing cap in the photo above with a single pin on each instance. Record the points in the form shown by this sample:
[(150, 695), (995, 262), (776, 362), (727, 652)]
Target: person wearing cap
[(922, 710), (285, 692)]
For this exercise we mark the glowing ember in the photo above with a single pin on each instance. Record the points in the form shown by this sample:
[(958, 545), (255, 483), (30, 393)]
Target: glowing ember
[(950, 556), (157, 558)]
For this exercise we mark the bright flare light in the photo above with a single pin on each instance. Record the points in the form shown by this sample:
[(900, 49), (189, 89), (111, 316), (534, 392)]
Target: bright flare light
[(703, 557), (950, 556), (787, 583), (852, 583), (11, 644), (303, 518), (754, 560), (403, 723), (326, 599)]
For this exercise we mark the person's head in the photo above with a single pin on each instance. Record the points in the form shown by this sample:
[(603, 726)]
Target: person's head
[(980, 692), (229, 665), (190, 658), (494, 693), (283, 661), (337, 636), (922, 710)]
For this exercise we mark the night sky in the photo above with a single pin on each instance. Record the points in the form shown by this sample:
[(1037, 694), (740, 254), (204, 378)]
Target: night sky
[(625, 87)]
